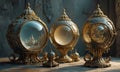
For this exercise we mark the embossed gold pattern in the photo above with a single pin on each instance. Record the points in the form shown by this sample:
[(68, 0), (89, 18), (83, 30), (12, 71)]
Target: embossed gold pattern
[(64, 35), (98, 33), (25, 56)]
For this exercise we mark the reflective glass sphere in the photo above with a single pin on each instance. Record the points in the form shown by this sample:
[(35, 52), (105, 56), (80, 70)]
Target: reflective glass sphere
[(99, 33), (98, 30), (63, 35), (32, 35)]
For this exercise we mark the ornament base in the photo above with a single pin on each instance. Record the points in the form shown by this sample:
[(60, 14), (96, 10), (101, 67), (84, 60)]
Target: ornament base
[(64, 59), (97, 63), (50, 64), (24, 59)]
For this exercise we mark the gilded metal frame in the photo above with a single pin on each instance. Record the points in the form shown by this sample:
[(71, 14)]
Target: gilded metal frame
[(24, 56), (96, 60), (64, 58)]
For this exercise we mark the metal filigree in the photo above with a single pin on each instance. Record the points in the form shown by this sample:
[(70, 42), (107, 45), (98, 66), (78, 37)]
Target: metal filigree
[(99, 34), (25, 56), (64, 35), (98, 12), (64, 16)]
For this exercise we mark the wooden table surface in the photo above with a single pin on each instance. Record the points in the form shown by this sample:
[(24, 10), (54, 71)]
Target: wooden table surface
[(5, 66)]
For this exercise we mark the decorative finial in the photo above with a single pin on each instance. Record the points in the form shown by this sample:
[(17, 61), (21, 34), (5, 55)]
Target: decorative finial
[(98, 12), (29, 13), (64, 16), (98, 6), (64, 11), (28, 5)]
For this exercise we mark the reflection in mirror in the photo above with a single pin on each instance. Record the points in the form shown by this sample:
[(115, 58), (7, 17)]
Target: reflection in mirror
[(99, 33), (63, 35), (32, 35)]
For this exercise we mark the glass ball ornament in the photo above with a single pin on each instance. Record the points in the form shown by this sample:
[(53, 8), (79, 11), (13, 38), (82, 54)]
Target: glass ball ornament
[(27, 36), (64, 35), (32, 35), (98, 33)]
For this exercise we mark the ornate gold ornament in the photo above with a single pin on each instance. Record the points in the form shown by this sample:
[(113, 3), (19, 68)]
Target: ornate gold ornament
[(51, 60), (98, 33), (27, 36), (64, 35)]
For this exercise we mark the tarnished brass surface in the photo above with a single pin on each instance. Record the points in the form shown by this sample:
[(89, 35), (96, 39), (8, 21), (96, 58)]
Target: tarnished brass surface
[(98, 33), (24, 55), (64, 35)]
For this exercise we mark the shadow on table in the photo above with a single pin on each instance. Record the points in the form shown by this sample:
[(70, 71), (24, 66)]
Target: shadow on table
[(6, 66), (81, 68), (9, 65), (77, 68), (115, 70)]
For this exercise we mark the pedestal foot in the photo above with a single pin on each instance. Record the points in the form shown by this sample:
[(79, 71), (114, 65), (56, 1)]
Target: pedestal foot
[(100, 63), (64, 59)]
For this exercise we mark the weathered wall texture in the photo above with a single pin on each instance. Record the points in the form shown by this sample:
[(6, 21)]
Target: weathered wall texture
[(48, 11)]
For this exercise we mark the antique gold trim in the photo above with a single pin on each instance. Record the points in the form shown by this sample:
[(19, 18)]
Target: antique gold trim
[(98, 12), (64, 16), (96, 49), (25, 56), (64, 20)]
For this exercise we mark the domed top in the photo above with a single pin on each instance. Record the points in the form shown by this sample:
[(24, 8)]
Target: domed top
[(99, 17), (64, 32), (99, 30), (28, 10), (98, 12), (64, 16), (28, 13)]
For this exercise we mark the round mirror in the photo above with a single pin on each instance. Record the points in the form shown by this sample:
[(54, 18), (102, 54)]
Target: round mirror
[(99, 33), (32, 35), (63, 35)]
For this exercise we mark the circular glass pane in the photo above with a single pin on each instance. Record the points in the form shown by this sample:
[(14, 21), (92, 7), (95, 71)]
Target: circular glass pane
[(99, 33), (63, 35), (32, 35)]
